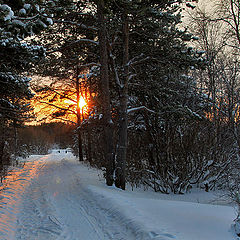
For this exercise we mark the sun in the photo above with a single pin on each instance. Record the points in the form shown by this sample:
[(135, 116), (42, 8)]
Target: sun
[(82, 103)]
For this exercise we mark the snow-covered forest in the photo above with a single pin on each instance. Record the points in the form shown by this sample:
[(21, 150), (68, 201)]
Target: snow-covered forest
[(145, 91)]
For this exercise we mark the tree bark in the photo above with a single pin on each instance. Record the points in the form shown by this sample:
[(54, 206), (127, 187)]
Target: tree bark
[(120, 181), (80, 150), (89, 145), (105, 94)]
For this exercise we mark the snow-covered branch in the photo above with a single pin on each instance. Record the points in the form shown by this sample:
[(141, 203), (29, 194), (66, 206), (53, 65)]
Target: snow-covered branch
[(140, 108), (131, 76), (89, 65), (83, 40), (137, 60), (134, 59), (114, 68)]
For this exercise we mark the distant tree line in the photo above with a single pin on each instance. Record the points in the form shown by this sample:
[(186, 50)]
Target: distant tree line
[(39, 139)]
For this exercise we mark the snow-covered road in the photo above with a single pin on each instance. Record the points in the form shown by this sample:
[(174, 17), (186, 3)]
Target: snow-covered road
[(47, 199), (56, 197)]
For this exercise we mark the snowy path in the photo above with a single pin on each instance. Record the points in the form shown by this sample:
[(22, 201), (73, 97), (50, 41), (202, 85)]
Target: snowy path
[(55, 197), (47, 200)]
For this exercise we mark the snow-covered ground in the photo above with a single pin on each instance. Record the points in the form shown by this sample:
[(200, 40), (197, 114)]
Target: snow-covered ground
[(56, 197)]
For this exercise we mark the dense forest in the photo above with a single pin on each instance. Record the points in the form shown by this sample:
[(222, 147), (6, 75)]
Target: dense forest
[(161, 91), (41, 138)]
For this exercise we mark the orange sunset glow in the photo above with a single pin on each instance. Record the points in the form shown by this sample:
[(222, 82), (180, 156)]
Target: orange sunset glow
[(82, 103), (50, 106)]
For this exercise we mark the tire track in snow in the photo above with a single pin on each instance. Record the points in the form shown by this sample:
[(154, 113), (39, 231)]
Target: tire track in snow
[(11, 193), (48, 200)]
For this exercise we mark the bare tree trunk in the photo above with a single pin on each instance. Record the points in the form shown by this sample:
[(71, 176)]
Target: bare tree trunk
[(89, 145), (105, 92), (2, 143), (1, 153), (80, 150), (123, 118), (15, 141)]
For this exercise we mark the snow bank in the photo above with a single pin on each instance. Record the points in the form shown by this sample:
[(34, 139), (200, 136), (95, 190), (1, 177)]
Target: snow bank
[(165, 219)]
